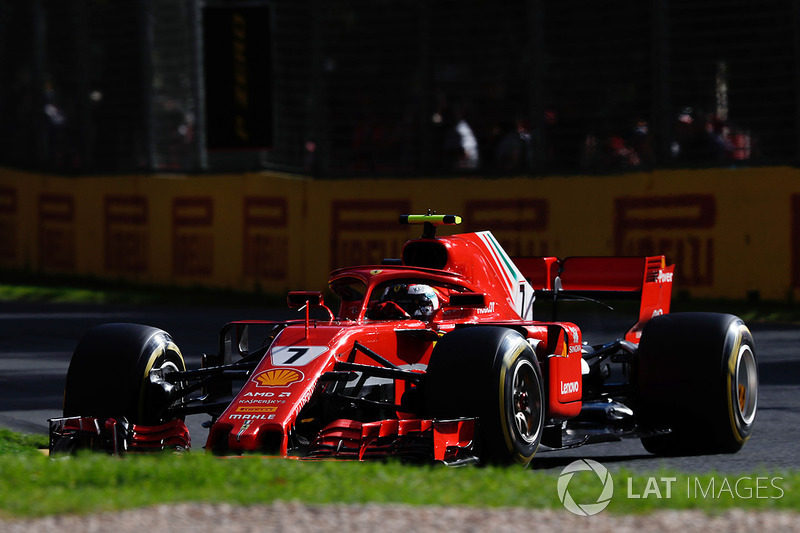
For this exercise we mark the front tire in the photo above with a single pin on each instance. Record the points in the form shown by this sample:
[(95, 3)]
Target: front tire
[(490, 373), (107, 376), (697, 375)]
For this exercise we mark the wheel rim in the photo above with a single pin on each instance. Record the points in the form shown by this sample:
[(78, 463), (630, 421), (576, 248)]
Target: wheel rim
[(526, 402), (167, 366), (746, 386)]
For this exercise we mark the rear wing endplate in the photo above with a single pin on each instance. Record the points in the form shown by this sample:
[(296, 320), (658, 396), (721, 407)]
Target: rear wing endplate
[(647, 279)]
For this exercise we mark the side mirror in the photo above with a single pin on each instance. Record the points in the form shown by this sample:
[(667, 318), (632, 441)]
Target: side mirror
[(298, 299), (308, 300)]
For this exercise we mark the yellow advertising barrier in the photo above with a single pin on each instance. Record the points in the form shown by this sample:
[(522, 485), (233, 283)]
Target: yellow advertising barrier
[(730, 232)]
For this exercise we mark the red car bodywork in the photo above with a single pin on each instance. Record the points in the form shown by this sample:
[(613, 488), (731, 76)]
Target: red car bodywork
[(346, 384), (267, 407)]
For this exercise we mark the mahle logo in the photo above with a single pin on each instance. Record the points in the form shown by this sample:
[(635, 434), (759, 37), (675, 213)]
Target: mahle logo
[(585, 509)]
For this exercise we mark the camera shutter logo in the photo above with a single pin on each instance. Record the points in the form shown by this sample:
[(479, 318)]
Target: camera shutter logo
[(587, 509)]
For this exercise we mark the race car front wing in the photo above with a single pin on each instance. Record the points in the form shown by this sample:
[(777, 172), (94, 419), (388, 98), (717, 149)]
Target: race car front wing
[(116, 437), (448, 441)]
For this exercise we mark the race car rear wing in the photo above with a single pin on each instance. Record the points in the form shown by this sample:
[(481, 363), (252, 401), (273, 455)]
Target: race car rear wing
[(647, 279)]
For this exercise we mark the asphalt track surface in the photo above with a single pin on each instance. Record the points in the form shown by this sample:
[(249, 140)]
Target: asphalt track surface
[(36, 342)]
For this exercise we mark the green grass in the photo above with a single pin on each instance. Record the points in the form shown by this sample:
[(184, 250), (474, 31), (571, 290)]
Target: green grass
[(34, 485), (22, 286), (748, 310), (18, 443)]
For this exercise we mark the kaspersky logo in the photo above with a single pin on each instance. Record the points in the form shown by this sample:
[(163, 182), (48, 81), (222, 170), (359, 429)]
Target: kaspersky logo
[(605, 486)]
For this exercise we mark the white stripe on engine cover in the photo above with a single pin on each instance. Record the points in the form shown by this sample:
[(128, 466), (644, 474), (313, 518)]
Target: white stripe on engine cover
[(517, 287)]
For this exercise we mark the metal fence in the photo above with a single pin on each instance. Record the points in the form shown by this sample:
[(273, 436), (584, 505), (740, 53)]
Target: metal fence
[(398, 87)]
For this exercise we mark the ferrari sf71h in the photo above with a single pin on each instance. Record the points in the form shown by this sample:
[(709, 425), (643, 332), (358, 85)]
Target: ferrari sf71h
[(433, 356)]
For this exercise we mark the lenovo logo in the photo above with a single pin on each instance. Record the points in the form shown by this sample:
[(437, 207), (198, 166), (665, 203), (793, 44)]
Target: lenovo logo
[(570, 387)]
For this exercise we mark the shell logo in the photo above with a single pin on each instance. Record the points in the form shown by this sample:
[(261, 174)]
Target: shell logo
[(278, 377)]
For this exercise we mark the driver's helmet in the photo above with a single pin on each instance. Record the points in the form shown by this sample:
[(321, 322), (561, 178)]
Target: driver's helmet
[(417, 299)]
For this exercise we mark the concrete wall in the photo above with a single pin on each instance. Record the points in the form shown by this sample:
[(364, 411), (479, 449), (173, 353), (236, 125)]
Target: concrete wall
[(729, 231)]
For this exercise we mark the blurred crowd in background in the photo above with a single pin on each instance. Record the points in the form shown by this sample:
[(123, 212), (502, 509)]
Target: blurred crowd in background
[(467, 142), (364, 87)]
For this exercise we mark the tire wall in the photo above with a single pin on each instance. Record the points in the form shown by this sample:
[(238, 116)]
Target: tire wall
[(730, 232)]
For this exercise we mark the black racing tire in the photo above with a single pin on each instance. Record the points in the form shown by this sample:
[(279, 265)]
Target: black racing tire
[(490, 373), (106, 376), (696, 374)]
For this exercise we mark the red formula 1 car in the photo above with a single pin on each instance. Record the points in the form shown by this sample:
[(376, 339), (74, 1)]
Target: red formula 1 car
[(433, 356)]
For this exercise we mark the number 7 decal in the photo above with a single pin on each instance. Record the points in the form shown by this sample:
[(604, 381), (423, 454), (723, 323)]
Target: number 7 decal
[(296, 355)]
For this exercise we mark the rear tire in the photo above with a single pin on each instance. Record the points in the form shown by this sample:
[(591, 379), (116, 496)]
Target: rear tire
[(490, 373), (108, 371), (697, 375)]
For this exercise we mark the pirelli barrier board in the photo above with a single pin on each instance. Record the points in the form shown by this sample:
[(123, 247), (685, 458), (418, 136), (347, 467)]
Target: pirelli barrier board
[(729, 231)]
